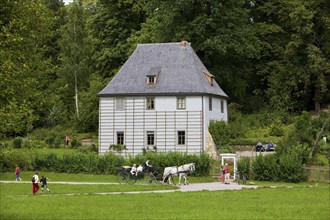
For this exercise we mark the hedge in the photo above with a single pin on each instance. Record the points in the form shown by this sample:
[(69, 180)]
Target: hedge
[(91, 163)]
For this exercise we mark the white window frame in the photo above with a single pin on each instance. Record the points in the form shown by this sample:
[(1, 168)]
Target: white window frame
[(181, 103), (150, 103)]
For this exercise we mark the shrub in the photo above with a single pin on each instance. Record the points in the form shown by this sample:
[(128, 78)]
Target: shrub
[(35, 144), (291, 164), (265, 168), (276, 129), (18, 142), (243, 165), (95, 164)]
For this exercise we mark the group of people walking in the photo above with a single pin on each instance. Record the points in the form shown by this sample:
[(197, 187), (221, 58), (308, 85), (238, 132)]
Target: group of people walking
[(224, 176), (36, 181)]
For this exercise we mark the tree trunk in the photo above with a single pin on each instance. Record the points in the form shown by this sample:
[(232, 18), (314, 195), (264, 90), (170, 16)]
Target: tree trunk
[(76, 95)]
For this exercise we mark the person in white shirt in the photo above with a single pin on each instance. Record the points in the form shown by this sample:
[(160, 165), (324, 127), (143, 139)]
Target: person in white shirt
[(35, 183), (140, 168), (134, 170)]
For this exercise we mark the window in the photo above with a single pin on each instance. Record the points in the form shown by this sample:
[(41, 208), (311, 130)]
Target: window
[(210, 103), (151, 79), (120, 104), (120, 137), (150, 103), (181, 137), (181, 103), (150, 138), (221, 106)]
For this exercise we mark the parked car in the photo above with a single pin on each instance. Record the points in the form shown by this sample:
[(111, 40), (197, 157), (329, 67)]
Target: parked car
[(265, 147)]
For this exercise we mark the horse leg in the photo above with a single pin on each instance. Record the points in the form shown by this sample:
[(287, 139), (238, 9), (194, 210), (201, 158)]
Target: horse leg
[(169, 179), (186, 179), (180, 179)]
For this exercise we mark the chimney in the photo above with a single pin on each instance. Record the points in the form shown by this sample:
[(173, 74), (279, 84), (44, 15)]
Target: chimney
[(184, 43)]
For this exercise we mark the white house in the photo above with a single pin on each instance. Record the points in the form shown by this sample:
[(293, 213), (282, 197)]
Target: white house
[(163, 97)]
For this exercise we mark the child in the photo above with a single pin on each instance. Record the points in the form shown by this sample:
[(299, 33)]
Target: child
[(134, 170), (43, 182)]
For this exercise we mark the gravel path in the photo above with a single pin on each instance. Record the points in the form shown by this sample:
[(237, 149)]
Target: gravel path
[(183, 188)]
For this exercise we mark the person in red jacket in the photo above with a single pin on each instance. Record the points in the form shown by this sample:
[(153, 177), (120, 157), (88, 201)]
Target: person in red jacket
[(18, 173)]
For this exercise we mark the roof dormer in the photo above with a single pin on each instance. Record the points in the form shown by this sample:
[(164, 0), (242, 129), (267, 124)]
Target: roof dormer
[(153, 75), (209, 77)]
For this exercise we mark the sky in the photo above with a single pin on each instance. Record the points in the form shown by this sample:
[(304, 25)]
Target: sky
[(67, 1)]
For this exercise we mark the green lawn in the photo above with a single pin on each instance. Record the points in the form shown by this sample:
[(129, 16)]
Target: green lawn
[(73, 202)]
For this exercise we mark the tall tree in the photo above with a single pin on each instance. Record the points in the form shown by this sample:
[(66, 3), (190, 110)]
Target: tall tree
[(75, 56), (220, 32), (294, 64), (24, 66), (111, 25)]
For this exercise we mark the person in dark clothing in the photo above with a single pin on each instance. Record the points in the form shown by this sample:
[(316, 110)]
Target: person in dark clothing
[(148, 166), (43, 182)]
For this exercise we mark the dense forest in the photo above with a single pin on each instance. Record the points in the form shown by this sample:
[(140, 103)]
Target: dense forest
[(267, 55)]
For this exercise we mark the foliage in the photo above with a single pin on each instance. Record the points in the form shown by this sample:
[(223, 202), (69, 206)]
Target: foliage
[(75, 57), (24, 65), (265, 168), (269, 57), (89, 162), (18, 142), (285, 165), (243, 165), (276, 129), (291, 166), (117, 147)]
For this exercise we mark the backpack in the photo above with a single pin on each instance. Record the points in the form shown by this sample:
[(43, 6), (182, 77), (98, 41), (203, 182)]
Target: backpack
[(33, 179)]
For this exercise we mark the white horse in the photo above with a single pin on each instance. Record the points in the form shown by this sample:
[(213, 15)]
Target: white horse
[(181, 171)]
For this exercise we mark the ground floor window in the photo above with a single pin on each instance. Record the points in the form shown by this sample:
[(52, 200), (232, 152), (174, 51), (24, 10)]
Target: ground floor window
[(150, 138), (120, 137), (181, 137)]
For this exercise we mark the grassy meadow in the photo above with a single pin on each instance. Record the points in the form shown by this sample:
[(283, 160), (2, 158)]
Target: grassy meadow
[(279, 203), (66, 201)]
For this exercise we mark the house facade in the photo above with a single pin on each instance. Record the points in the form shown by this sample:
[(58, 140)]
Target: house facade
[(162, 98)]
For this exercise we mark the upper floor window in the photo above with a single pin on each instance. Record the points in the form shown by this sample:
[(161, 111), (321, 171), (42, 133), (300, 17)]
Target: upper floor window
[(152, 75), (120, 137), (222, 106), (181, 137), (150, 103), (120, 104), (210, 103), (181, 103)]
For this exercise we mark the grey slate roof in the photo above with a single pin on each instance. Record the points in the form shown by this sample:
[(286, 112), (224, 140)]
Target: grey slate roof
[(180, 72)]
